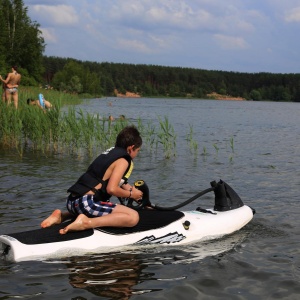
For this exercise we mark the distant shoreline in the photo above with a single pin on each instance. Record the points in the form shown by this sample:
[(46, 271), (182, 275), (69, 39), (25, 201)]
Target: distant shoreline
[(127, 95), (215, 96)]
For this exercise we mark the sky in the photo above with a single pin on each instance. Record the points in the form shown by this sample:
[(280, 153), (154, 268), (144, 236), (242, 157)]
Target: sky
[(234, 35)]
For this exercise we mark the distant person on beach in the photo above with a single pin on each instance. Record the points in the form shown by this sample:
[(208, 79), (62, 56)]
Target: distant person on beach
[(107, 176), (11, 86), (47, 104)]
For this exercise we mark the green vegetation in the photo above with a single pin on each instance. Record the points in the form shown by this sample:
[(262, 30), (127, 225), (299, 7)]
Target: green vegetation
[(72, 132), (158, 81), (216, 148), (190, 139), (231, 142), (166, 137), (31, 127), (52, 95)]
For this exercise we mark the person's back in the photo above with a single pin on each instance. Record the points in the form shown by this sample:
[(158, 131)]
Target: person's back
[(14, 78)]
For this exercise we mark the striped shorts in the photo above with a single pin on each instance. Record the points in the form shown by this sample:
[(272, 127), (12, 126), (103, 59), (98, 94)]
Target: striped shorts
[(87, 206)]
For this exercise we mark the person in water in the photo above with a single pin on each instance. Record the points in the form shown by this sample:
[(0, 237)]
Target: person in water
[(12, 82), (47, 104), (107, 176)]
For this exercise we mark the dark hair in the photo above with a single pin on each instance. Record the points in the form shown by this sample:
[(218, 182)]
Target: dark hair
[(29, 100), (15, 68), (129, 136)]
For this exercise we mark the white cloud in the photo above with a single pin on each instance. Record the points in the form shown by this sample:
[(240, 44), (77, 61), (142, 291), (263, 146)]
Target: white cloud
[(134, 45), (293, 15), (161, 42), (60, 14), (49, 35), (230, 42), (162, 15)]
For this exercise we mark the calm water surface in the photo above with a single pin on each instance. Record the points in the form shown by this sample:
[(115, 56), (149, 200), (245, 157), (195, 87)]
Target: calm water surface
[(258, 155)]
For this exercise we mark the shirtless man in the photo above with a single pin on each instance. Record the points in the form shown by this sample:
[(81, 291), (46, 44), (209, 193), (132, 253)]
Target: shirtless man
[(12, 82)]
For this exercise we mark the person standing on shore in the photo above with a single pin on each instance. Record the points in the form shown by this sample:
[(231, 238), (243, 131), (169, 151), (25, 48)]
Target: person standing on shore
[(11, 86)]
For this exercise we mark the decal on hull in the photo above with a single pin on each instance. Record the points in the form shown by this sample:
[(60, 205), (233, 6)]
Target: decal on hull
[(169, 238)]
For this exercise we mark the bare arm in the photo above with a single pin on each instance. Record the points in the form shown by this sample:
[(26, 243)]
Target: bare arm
[(10, 86), (5, 80), (113, 187)]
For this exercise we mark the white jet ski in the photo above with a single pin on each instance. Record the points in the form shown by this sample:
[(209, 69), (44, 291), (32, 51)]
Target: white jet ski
[(157, 226)]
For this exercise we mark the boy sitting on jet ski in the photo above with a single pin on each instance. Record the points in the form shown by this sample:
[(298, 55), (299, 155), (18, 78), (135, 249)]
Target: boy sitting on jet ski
[(107, 176)]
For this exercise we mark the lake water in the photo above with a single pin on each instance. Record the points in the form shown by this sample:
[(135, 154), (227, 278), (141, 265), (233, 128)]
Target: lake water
[(253, 146)]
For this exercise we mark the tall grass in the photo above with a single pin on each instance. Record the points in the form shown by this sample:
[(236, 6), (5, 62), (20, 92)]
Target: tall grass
[(166, 137), (191, 141), (73, 131), (52, 95)]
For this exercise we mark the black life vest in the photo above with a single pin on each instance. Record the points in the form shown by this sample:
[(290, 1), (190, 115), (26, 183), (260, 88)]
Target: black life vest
[(95, 172)]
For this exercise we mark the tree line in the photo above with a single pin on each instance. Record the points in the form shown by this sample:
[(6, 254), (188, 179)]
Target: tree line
[(150, 80), (22, 44)]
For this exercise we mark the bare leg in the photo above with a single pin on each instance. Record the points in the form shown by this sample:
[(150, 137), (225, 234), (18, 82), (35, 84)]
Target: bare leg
[(16, 99), (121, 216), (82, 222), (8, 97), (55, 218)]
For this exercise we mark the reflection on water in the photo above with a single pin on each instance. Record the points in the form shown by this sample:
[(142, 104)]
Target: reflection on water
[(119, 275), (113, 276)]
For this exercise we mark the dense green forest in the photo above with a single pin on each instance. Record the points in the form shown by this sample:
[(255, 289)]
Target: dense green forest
[(22, 44), (150, 80)]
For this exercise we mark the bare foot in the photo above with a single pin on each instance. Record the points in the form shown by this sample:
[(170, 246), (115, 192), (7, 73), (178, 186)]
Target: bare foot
[(81, 223), (54, 218)]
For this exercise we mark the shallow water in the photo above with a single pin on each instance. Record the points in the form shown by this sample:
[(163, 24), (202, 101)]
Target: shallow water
[(259, 262)]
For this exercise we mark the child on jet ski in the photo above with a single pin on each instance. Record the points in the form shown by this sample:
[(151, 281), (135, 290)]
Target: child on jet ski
[(107, 176)]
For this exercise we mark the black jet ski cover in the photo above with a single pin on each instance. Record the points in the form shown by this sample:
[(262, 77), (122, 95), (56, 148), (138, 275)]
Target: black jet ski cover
[(225, 197)]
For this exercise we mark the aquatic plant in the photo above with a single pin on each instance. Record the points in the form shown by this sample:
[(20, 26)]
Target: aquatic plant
[(216, 148), (191, 141), (232, 149), (148, 132), (204, 152), (232, 144), (166, 137)]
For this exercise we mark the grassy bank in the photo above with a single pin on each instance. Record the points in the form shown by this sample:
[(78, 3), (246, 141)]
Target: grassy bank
[(51, 95)]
